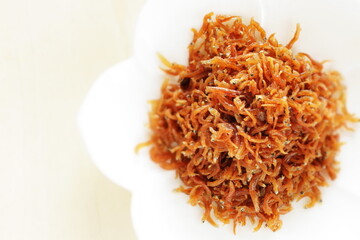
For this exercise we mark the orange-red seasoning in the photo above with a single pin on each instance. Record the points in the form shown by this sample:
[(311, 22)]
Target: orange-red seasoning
[(249, 126)]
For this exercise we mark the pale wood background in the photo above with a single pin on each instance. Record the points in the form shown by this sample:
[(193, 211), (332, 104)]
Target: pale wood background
[(51, 51)]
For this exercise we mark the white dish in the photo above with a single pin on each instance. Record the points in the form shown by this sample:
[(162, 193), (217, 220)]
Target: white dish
[(114, 115)]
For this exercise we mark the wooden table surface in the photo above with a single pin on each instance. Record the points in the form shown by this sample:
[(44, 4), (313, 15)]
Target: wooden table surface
[(51, 52)]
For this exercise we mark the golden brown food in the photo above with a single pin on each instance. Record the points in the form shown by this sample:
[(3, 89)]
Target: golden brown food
[(249, 126)]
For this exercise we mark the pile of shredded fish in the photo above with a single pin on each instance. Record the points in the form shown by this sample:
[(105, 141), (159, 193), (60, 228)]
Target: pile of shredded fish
[(248, 125)]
